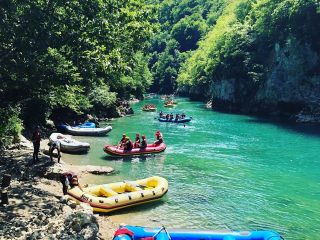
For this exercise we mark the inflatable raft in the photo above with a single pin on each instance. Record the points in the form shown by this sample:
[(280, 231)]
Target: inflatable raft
[(149, 109), (84, 131), (135, 233), (150, 149), (114, 196), (69, 145), (87, 125), (169, 105), (180, 120)]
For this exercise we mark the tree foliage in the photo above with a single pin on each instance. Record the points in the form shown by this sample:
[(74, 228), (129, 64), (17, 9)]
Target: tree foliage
[(244, 35), (182, 25), (62, 51)]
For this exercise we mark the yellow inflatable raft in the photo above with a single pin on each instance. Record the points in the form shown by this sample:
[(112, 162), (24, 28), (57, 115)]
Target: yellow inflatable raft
[(114, 196)]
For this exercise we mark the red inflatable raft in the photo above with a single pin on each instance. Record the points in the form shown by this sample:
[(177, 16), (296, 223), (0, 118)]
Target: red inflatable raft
[(150, 149)]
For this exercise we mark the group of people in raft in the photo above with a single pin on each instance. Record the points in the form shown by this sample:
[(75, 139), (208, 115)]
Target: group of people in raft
[(149, 106), (126, 144), (171, 117)]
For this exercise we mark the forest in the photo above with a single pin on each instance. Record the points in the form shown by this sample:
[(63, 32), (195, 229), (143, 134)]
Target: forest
[(252, 56)]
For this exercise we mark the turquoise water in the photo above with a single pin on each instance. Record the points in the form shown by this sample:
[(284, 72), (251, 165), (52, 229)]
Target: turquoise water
[(225, 171)]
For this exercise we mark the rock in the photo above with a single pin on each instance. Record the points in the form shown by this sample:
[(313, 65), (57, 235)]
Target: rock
[(98, 169), (64, 199), (67, 210), (25, 143), (50, 124), (33, 236), (72, 204), (129, 111), (86, 208), (90, 231), (52, 228)]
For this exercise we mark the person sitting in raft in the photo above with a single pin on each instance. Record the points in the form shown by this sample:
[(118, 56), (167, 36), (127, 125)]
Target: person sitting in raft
[(159, 138), (167, 117), (137, 141), (128, 145), (177, 117), (171, 116), (161, 114), (122, 141), (143, 143), (183, 115)]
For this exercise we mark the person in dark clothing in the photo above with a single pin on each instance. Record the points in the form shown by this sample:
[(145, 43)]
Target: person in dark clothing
[(36, 138), (143, 143), (54, 145), (128, 145), (137, 141), (122, 141), (69, 180), (159, 138)]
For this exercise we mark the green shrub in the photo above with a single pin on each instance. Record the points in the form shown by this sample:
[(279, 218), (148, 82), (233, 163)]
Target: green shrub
[(10, 125)]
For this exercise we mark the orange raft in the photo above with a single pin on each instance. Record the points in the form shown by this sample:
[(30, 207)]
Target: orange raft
[(150, 149)]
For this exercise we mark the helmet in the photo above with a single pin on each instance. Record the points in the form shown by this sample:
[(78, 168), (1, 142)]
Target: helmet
[(143, 137), (124, 135), (127, 138), (137, 135)]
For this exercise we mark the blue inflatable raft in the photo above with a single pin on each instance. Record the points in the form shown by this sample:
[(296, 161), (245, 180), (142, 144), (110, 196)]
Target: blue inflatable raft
[(180, 120), (63, 127), (87, 125), (138, 233)]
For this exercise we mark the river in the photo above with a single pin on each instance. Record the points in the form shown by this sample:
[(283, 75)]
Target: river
[(225, 171)]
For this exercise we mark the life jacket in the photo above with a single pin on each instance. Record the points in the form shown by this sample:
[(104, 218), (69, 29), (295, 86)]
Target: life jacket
[(129, 145), (36, 137), (143, 143)]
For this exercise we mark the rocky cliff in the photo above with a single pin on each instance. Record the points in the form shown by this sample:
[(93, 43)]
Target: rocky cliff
[(290, 88)]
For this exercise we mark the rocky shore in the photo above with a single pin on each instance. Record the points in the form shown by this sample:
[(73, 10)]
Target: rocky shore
[(37, 208)]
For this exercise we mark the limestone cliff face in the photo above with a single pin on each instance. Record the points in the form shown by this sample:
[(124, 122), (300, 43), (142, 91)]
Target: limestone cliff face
[(291, 87)]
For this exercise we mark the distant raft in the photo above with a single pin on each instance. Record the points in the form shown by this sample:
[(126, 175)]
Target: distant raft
[(86, 125), (84, 131), (180, 120), (68, 144), (150, 149), (169, 105), (149, 109), (114, 196), (135, 232)]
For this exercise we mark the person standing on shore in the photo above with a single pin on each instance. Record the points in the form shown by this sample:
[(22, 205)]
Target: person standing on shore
[(36, 138), (55, 145)]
